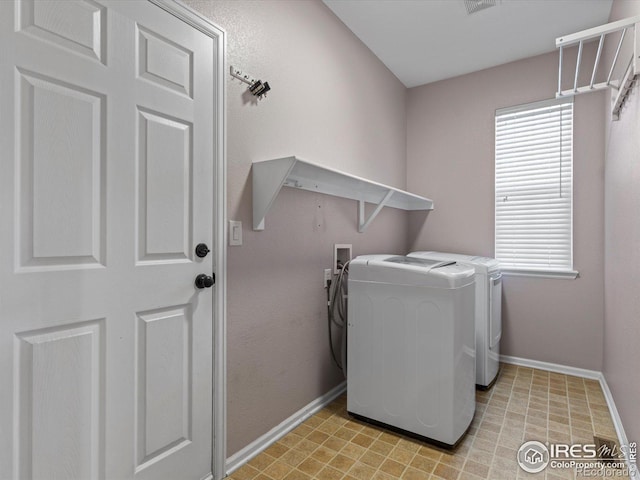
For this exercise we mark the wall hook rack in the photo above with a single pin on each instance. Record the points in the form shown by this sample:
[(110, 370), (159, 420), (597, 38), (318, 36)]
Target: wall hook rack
[(256, 87)]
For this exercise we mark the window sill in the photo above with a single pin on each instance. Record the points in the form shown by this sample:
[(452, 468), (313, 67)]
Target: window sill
[(523, 272)]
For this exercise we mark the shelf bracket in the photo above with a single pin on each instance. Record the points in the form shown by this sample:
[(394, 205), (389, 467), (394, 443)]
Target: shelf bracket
[(362, 223), (267, 183)]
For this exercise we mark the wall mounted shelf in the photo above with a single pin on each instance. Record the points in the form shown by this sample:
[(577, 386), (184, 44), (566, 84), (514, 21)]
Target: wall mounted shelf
[(269, 176), (621, 86)]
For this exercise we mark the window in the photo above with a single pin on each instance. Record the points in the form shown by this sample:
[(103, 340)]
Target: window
[(534, 188)]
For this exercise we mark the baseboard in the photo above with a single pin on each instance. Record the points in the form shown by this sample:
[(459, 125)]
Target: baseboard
[(241, 457), (552, 367), (634, 474)]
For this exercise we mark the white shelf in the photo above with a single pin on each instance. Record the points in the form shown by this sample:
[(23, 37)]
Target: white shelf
[(269, 176), (620, 87)]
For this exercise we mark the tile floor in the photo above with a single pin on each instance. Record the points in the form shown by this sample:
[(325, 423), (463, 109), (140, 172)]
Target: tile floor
[(524, 404)]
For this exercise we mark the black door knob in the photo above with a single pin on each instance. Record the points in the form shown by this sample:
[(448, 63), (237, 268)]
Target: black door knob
[(202, 250), (204, 281)]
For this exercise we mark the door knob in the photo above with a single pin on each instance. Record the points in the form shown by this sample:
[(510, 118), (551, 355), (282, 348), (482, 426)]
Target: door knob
[(202, 250), (205, 281)]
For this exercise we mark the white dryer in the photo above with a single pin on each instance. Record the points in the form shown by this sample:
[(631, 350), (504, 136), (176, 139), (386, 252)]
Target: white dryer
[(411, 348), (488, 310)]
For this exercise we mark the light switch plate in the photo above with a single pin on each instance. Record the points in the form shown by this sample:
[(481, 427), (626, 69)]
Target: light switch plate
[(235, 233)]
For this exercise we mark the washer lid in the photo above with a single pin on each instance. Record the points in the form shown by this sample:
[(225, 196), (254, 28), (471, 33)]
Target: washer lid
[(420, 262), (402, 270), (481, 264)]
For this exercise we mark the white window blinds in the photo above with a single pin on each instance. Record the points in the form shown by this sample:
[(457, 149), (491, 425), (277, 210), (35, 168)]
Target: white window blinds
[(534, 186)]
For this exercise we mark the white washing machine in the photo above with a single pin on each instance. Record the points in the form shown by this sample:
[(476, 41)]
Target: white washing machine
[(411, 348), (488, 311)]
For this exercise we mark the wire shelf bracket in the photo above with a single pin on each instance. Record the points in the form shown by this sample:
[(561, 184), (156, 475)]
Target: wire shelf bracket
[(628, 29)]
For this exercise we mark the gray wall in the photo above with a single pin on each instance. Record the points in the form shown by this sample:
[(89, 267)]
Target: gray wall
[(450, 148), (622, 251), (334, 103)]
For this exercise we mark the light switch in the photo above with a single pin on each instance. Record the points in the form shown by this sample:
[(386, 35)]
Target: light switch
[(235, 232)]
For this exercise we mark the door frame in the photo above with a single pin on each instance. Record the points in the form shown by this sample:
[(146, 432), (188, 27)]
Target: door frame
[(219, 394)]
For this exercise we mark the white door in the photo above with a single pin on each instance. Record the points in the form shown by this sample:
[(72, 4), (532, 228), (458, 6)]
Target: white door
[(106, 168)]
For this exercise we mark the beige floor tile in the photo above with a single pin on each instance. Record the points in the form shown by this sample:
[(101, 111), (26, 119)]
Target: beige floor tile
[(335, 443), (246, 472), (329, 473), (353, 451), (276, 450), (342, 463), (410, 444), (558, 422), (523, 404), (392, 467), (329, 427), (469, 476), (429, 452), (446, 472), (297, 475), (262, 476), (480, 456), (476, 468), (391, 438), (278, 470), (310, 466), (302, 430), (381, 447), (260, 462), (293, 457), (488, 426), (362, 471), (488, 435), (317, 437), (353, 426), (454, 460), (536, 421), (323, 454), (423, 464), (372, 459), (401, 455), (313, 422), (531, 432), (306, 446), (345, 433), (504, 452), (371, 431), (413, 474), (480, 444), (499, 474), (362, 440), (324, 413)]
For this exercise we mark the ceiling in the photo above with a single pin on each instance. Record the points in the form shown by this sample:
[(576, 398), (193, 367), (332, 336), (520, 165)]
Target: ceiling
[(422, 41)]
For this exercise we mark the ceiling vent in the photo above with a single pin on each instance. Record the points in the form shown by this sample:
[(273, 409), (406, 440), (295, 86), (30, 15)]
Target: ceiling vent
[(474, 6)]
